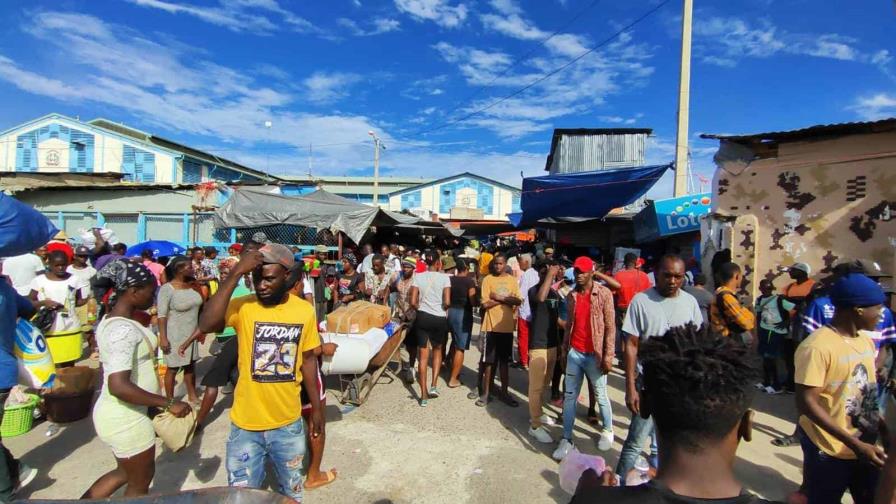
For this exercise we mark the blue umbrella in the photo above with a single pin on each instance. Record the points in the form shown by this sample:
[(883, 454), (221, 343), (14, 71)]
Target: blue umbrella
[(22, 228), (160, 248)]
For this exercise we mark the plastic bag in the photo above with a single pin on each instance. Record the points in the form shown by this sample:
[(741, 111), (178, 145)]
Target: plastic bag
[(36, 367), (89, 241), (574, 464)]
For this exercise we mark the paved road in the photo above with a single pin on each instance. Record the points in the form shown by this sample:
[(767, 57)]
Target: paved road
[(391, 450)]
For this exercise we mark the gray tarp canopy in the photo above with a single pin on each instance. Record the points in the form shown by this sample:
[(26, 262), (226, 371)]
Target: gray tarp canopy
[(266, 206)]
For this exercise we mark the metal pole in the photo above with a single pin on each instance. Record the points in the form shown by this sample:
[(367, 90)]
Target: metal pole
[(684, 91), (376, 171)]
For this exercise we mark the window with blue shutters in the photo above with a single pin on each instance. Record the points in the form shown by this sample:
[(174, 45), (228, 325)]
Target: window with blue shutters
[(485, 198), (447, 196), (26, 152), (80, 153), (192, 173), (410, 200), (138, 165)]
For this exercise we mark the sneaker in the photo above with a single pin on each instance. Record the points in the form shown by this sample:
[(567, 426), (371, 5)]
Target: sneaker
[(771, 391), (606, 441), (227, 389), (547, 420), (562, 450), (26, 475), (541, 435), (759, 386)]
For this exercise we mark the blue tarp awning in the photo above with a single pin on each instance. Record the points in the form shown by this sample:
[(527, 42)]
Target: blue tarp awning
[(22, 228), (587, 194)]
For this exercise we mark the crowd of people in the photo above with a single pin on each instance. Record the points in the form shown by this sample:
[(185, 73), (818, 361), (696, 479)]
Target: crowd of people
[(692, 353)]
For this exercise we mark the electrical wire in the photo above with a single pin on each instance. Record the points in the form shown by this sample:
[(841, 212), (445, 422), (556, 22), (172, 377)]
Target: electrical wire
[(549, 74)]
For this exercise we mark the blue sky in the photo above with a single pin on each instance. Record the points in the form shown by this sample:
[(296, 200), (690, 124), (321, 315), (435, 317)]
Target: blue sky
[(210, 73)]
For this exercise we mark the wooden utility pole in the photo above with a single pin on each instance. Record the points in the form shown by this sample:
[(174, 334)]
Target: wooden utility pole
[(684, 98)]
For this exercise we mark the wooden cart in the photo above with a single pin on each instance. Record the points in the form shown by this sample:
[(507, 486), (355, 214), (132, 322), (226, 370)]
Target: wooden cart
[(354, 389)]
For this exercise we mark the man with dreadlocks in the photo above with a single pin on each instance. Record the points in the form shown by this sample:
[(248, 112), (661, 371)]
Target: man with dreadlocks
[(698, 390)]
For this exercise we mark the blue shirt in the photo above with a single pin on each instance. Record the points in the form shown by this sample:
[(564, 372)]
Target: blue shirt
[(820, 312), (11, 305)]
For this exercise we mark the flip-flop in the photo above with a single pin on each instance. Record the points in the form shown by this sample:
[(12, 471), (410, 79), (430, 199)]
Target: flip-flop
[(424, 403), (785, 441), (593, 420), (473, 395), (458, 384), (433, 392), (480, 403), (331, 477)]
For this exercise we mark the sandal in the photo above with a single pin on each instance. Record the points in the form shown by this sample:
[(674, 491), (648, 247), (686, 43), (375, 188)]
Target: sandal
[(433, 392), (785, 441), (331, 477), (480, 403), (424, 403), (473, 395), (592, 418), (454, 385)]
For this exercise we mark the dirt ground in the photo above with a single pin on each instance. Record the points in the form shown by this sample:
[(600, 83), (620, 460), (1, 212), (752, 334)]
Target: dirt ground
[(390, 450)]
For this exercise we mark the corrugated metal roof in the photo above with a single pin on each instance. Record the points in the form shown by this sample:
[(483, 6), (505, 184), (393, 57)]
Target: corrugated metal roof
[(820, 130), (583, 150)]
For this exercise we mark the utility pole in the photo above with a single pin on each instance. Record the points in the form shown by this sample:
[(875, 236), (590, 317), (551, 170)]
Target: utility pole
[(377, 144), (684, 98)]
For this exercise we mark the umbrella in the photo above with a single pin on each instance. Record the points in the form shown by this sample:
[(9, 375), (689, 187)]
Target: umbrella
[(160, 248), (22, 228)]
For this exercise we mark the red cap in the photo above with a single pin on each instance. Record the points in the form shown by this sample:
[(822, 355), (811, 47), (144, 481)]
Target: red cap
[(583, 263)]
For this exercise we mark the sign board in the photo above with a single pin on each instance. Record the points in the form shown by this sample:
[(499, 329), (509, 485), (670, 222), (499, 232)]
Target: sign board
[(681, 215)]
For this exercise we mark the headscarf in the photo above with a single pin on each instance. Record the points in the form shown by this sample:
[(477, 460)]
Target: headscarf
[(351, 259), (409, 261), (132, 275)]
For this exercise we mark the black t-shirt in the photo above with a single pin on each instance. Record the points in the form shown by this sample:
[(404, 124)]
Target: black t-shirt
[(654, 492), (460, 291), (543, 329)]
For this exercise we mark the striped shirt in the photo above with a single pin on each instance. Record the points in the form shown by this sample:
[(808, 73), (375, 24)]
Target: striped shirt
[(820, 312)]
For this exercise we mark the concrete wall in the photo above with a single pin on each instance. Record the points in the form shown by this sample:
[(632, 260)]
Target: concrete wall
[(820, 202), (110, 200)]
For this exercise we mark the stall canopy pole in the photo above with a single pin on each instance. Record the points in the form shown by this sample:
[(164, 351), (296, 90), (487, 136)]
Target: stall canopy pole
[(339, 252)]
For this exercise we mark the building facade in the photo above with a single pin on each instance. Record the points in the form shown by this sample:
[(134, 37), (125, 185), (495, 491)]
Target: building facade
[(589, 149), (819, 195), (59, 144), (464, 197), (358, 189)]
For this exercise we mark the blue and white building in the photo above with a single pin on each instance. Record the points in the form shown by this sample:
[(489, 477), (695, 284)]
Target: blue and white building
[(56, 143), (465, 196)]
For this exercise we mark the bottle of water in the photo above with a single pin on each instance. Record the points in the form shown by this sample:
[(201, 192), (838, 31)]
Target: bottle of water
[(638, 475)]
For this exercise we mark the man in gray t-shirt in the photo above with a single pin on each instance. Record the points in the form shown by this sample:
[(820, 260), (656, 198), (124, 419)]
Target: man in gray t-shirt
[(651, 313)]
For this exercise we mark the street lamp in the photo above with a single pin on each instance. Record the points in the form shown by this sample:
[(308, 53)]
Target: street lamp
[(377, 145)]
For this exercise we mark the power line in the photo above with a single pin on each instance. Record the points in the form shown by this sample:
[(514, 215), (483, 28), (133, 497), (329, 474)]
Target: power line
[(549, 74), (518, 60)]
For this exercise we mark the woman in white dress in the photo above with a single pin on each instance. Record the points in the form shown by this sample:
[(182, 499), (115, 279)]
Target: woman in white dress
[(130, 386)]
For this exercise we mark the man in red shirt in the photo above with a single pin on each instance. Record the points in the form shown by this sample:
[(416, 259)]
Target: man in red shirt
[(631, 280), (589, 345)]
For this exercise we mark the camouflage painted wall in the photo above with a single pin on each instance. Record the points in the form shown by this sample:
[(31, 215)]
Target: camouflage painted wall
[(819, 202)]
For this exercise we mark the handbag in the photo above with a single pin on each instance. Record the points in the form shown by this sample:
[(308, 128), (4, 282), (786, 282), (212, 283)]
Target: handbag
[(44, 318), (176, 433)]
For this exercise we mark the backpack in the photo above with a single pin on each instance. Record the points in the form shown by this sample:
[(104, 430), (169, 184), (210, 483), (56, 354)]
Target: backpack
[(783, 313)]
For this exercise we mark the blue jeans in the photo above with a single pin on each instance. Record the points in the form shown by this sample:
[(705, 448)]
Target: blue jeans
[(827, 478), (285, 447), (578, 366), (638, 430)]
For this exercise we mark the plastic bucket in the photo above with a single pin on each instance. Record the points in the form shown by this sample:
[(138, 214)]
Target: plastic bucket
[(65, 347), (64, 407)]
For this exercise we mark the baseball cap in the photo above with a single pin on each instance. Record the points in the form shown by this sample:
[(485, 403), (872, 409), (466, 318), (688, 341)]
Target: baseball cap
[(274, 253), (321, 248), (549, 250), (805, 268), (82, 251), (856, 290), (583, 263)]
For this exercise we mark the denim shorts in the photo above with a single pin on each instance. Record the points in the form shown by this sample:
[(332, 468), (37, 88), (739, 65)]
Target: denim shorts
[(247, 452), (460, 323)]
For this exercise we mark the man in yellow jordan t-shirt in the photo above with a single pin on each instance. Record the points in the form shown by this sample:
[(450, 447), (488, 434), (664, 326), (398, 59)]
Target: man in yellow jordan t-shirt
[(276, 336)]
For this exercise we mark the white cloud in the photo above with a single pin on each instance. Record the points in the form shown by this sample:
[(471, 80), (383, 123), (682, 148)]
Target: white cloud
[(614, 119), (378, 26), (324, 87), (723, 41), (877, 106), (440, 12), (254, 16), (166, 87)]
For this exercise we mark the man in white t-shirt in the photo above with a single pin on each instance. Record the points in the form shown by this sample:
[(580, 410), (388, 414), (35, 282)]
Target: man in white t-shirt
[(21, 270)]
